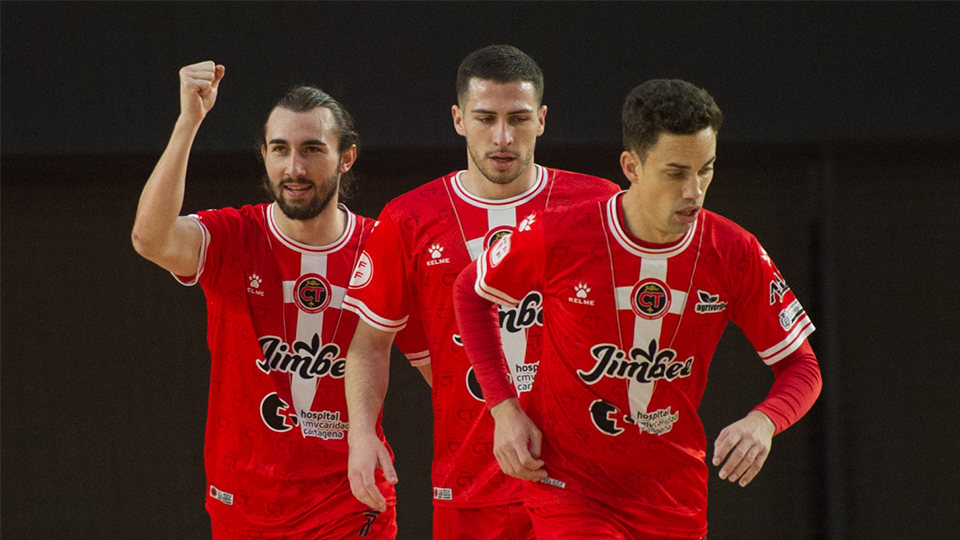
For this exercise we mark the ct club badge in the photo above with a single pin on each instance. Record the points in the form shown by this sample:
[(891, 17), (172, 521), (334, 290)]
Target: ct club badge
[(312, 293), (650, 299)]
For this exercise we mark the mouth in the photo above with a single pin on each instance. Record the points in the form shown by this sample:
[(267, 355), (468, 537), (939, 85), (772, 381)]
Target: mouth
[(296, 190), (502, 160), (688, 215)]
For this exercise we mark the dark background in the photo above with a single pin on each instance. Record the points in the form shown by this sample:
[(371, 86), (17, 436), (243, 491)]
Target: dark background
[(841, 152)]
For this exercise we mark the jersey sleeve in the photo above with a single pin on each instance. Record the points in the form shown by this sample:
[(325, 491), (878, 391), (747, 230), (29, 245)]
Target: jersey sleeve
[(379, 291), (766, 309), (412, 341), (217, 227), (512, 266)]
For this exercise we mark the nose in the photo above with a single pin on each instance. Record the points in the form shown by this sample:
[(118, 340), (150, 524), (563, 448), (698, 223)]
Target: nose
[(502, 134), (295, 166), (693, 187)]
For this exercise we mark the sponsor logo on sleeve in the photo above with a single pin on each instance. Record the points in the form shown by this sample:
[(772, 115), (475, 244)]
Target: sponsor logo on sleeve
[(362, 273), (778, 288), (791, 314)]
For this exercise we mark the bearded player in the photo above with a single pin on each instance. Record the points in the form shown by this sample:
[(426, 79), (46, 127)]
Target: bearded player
[(405, 277), (274, 276), (637, 291)]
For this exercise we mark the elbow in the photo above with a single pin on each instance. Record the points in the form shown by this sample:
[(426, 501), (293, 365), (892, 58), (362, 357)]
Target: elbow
[(144, 245)]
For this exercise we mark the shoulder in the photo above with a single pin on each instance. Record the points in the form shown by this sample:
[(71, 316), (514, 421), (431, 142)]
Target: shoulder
[(426, 196), (249, 214), (580, 180), (726, 236)]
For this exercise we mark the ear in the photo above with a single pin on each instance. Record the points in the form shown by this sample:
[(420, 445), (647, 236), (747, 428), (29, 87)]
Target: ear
[(542, 119), (348, 158), (458, 120), (263, 152), (629, 162)]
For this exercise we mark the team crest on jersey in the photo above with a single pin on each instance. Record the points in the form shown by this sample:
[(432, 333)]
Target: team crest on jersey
[(312, 293), (709, 303), (362, 273), (650, 299), (495, 234)]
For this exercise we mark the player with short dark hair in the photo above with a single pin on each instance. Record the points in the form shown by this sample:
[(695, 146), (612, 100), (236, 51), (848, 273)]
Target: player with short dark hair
[(274, 276), (404, 281), (637, 291)]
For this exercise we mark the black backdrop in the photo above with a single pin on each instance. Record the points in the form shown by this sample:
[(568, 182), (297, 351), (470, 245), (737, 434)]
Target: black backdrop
[(841, 152)]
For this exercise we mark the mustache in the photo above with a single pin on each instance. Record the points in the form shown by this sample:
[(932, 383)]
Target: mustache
[(289, 180)]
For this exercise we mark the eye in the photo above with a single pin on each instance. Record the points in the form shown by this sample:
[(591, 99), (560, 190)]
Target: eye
[(485, 119), (519, 119)]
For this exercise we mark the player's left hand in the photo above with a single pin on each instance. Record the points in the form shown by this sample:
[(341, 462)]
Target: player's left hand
[(744, 445)]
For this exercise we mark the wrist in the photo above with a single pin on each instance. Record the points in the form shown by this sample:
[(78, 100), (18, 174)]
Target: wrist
[(507, 406)]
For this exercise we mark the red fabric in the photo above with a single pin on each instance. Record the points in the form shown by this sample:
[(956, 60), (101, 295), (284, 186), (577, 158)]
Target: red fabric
[(480, 332), (795, 389)]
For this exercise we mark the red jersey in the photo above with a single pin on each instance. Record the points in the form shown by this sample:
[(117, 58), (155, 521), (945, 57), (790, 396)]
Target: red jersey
[(629, 332), (276, 438), (423, 240)]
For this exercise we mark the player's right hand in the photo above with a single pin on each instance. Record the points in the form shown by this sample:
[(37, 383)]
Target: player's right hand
[(366, 456), (516, 442), (198, 90)]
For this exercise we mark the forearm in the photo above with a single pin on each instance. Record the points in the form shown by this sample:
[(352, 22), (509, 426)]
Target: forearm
[(480, 332), (795, 389), (367, 377)]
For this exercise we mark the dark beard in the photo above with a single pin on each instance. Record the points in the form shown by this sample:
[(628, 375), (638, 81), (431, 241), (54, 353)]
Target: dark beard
[(314, 207)]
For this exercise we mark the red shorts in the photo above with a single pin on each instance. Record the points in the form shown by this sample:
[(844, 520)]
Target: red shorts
[(508, 522), (370, 524), (586, 522)]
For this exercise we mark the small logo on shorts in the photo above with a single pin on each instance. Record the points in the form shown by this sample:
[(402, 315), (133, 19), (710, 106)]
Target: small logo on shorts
[(222, 496), (553, 482), (443, 494)]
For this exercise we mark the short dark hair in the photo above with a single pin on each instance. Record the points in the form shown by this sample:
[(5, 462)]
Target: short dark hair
[(307, 98), (666, 106), (501, 63)]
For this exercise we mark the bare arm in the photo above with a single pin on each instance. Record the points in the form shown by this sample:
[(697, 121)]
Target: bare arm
[(159, 233), (427, 373), (366, 379)]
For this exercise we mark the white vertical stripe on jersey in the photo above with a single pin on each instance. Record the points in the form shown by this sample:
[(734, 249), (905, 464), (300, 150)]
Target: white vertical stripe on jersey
[(646, 330), (514, 344), (308, 324)]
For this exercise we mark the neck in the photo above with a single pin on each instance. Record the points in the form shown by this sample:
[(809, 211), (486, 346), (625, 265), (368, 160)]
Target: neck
[(635, 224), (322, 230), (477, 184)]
